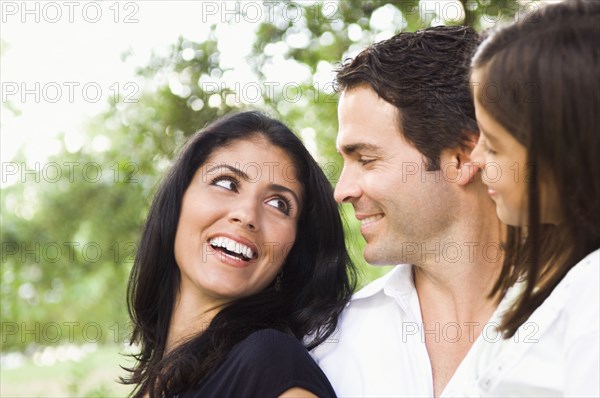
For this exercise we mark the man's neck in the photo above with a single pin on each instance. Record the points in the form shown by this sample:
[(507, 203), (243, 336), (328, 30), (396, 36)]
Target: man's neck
[(454, 297)]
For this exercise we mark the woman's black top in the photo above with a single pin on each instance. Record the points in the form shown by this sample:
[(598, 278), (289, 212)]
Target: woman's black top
[(264, 365)]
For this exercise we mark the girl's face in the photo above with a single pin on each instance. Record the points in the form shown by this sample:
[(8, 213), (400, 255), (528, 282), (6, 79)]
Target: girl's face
[(503, 161), (238, 222)]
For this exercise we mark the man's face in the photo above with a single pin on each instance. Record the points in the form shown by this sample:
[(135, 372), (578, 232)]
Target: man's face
[(403, 209)]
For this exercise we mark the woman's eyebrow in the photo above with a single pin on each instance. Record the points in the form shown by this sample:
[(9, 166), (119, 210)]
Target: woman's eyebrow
[(282, 188), (233, 169)]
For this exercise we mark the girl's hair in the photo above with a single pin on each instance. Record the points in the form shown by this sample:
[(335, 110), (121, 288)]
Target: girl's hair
[(544, 72), (317, 281)]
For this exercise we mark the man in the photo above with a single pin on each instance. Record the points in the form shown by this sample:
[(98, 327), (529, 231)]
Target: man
[(406, 130)]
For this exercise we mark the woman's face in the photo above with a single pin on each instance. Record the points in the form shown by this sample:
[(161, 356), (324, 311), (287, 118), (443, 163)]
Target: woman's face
[(505, 171), (238, 222), (502, 160)]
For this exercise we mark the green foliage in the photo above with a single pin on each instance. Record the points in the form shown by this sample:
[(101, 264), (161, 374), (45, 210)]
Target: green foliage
[(94, 375), (108, 212)]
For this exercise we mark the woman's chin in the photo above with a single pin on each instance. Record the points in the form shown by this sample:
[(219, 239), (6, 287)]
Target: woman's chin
[(508, 217)]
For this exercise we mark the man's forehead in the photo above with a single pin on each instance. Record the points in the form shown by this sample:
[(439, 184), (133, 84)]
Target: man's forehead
[(359, 137), (367, 123)]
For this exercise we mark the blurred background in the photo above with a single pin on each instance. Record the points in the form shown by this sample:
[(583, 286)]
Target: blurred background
[(97, 98)]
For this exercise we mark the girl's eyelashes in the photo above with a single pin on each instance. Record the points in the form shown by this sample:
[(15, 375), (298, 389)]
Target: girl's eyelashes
[(488, 149), (228, 182), (486, 146)]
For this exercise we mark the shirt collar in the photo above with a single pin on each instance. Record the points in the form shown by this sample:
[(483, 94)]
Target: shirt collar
[(396, 283)]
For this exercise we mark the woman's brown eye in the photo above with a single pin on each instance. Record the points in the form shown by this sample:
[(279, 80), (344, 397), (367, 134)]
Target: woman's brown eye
[(225, 182), (280, 204)]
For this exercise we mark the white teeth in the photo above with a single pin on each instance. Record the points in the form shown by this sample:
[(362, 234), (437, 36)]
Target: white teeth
[(370, 219), (232, 246)]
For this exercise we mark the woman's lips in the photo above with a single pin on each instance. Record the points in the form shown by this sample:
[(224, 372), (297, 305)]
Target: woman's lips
[(229, 259)]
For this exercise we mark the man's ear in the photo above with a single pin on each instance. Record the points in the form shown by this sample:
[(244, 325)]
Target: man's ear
[(468, 168)]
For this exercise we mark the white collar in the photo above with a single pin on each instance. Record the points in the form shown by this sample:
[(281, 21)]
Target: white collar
[(397, 284)]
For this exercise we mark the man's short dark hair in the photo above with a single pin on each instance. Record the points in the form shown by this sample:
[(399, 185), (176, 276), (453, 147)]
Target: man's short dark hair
[(425, 74)]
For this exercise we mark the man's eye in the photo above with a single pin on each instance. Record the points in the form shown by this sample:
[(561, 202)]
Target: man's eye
[(226, 182), (364, 161)]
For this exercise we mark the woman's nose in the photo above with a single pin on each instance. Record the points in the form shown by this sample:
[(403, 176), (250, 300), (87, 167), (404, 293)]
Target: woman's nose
[(246, 214)]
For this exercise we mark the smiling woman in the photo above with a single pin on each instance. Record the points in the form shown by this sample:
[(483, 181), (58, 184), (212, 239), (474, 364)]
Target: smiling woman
[(242, 256), (236, 229)]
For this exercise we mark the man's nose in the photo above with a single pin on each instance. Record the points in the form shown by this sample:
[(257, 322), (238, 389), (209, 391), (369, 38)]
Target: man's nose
[(347, 188)]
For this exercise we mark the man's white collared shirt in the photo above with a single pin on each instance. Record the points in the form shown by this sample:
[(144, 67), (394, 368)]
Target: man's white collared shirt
[(379, 348)]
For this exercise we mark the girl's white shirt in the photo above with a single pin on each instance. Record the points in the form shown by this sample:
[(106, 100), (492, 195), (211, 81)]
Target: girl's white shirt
[(555, 353)]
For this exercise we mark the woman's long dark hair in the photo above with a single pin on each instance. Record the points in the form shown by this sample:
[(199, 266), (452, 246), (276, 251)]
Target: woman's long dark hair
[(317, 281), (545, 71)]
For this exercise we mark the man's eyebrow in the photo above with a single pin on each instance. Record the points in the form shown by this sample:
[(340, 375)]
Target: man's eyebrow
[(234, 170), (360, 147)]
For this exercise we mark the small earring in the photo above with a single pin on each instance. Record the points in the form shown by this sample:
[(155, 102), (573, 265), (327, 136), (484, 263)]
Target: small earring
[(278, 282)]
